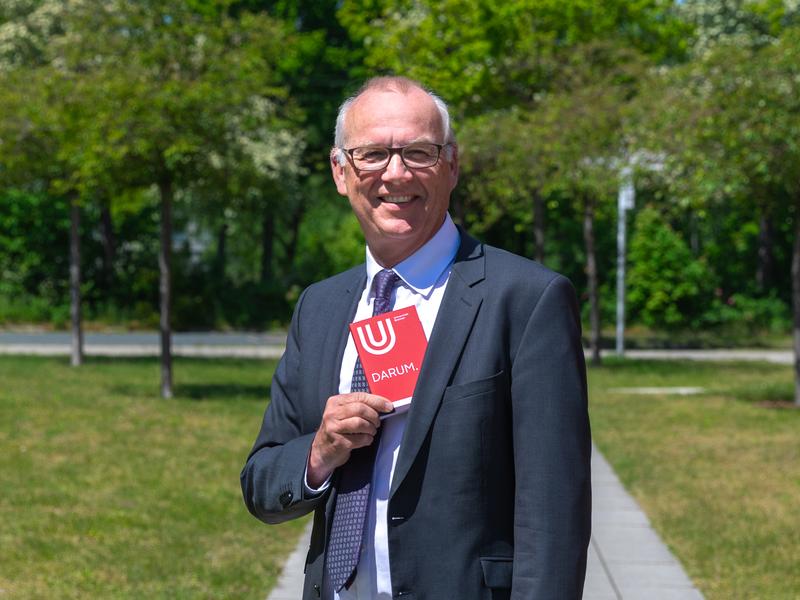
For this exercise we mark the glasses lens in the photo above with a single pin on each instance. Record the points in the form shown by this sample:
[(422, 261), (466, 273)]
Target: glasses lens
[(415, 156), (420, 155), (370, 158)]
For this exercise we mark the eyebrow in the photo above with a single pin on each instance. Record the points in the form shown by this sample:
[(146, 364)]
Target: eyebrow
[(419, 140)]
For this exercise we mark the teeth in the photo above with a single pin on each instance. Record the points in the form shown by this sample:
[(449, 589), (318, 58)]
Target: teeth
[(397, 199)]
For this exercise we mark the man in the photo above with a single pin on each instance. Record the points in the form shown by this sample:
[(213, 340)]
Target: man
[(482, 488)]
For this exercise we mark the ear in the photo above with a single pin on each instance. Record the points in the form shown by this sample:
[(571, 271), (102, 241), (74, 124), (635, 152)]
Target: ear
[(337, 169), (453, 165)]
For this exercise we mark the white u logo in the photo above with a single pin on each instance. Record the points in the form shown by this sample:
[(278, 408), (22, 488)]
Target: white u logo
[(386, 341)]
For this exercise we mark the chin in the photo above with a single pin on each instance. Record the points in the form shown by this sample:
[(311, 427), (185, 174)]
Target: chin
[(396, 227)]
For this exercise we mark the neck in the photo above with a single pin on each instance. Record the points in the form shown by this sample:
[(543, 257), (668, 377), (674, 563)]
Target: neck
[(391, 256)]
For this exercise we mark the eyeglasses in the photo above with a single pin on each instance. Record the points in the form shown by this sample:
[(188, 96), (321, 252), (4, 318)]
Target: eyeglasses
[(375, 158)]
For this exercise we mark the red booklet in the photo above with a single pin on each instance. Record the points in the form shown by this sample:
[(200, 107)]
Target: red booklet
[(391, 347)]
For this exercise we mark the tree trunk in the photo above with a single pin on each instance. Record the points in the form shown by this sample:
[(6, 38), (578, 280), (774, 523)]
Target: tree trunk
[(538, 226), (109, 245), (694, 235), (76, 355), (766, 262), (294, 229), (221, 257), (796, 299), (591, 278), (457, 210), (267, 244), (164, 287)]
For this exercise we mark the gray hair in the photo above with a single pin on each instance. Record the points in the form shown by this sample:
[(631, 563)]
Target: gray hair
[(392, 84)]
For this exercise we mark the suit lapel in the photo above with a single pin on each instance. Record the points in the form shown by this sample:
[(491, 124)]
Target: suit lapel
[(460, 304), (339, 313)]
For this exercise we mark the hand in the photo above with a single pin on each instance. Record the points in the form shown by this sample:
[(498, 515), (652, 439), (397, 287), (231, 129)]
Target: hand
[(350, 421)]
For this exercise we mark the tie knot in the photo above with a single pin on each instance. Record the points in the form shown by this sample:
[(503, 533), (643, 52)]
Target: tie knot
[(383, 284)]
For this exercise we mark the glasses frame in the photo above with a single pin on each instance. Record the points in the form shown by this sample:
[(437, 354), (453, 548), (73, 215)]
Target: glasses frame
[(392, 151)]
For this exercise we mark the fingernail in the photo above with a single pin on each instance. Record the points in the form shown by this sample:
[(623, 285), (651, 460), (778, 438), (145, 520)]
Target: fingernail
[(390, 410)]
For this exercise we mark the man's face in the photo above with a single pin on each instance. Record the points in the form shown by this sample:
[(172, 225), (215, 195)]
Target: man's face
[(399, 209)]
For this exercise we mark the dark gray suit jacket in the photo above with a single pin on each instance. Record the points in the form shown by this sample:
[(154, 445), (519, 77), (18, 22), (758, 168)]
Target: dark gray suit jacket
[(491, 494)]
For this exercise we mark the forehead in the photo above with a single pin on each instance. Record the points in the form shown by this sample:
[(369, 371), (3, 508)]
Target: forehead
[(393, 118)]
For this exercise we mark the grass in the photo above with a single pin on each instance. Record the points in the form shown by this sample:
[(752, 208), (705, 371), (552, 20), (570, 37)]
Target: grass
[(718, 474), (110, 492)]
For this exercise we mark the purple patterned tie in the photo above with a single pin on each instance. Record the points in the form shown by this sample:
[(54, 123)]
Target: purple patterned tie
[(347, 529)]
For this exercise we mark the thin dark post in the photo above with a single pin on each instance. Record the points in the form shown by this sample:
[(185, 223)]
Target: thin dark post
[(796, 299), (76, 354), (165, 276), (538, 226), (591, 277)]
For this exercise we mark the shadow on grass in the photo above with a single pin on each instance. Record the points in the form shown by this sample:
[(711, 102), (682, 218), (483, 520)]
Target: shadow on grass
[(197, 391), (767, 394), (222, 391)]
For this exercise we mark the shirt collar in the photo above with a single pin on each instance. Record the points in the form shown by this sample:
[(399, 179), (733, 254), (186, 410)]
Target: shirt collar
[(421, 270)]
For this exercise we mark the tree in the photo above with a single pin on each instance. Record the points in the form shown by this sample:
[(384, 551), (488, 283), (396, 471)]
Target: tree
[(668, 286), (484, 55), (728, 124), (508, 157), (179, 85), (45, 110), (162, 95)]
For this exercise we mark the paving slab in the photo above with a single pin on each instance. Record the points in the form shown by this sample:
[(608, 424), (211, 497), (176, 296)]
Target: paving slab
[(290, 583), (781, 357), (636, 564), (135, 344)]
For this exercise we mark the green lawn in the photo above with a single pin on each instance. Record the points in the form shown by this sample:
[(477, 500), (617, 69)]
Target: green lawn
[(110, 492), (107, 491), (718, 473)]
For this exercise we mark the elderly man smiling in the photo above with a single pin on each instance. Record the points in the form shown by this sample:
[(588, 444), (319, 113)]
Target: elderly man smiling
[(481, 488)]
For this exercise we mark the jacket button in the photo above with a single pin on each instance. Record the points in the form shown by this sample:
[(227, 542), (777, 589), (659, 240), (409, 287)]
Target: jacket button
[(286, 498), (316, 589)]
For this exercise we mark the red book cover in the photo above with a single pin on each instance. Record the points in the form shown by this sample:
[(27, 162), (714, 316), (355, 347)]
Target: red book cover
[(391, 347)]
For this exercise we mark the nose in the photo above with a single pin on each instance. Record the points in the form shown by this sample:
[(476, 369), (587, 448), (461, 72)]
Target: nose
[(396, 169)]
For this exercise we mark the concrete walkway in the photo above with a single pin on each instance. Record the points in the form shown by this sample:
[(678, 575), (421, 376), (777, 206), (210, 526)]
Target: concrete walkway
[(205, 344), (627, 560)]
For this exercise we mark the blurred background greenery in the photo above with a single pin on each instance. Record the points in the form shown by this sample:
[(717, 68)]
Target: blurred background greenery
[(210, 122), (182, 145)]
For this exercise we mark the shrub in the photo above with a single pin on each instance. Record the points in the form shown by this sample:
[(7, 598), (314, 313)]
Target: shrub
[(747, 315), (668, 288)]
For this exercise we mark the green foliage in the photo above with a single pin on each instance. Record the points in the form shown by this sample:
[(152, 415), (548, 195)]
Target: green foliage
[(330, 242), (667, 287), (748, 316), (489, 54), (727, 124), (232, 103), (738, 23), (33, 263)]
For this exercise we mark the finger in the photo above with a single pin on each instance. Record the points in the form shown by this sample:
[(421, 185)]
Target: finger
[(351, 408), (360, 440), (357, 425), (361, 409), (377, 403)]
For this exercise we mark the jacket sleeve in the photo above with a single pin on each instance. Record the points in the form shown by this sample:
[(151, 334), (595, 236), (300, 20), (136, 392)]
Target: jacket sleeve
[(273, 477), (552, 449)]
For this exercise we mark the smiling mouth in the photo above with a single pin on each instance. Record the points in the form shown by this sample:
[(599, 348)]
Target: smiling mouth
[(397, 199)]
